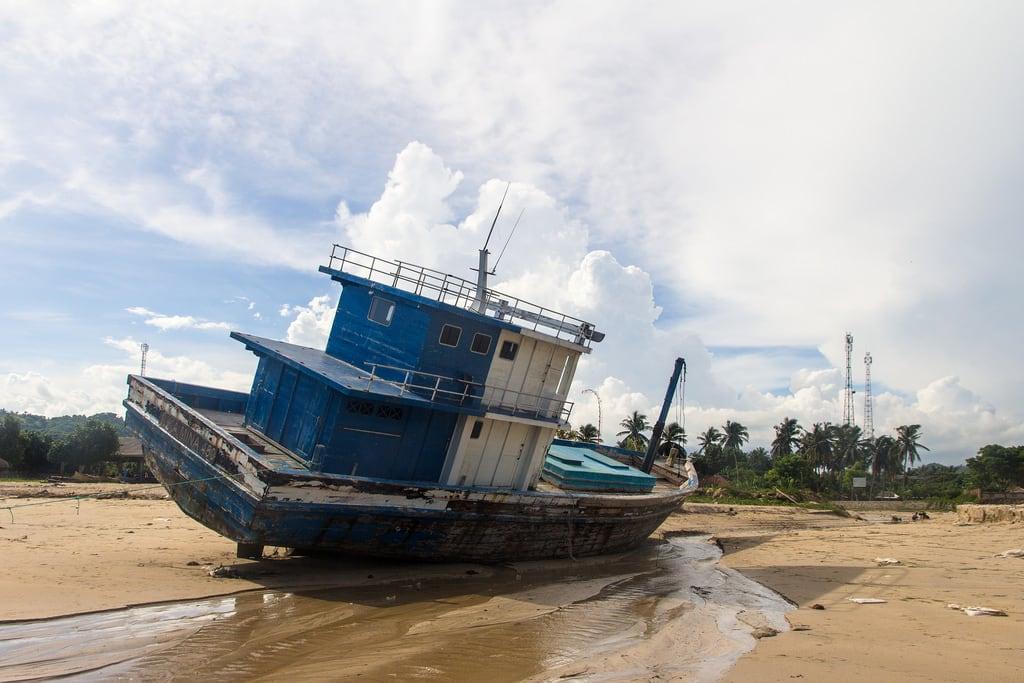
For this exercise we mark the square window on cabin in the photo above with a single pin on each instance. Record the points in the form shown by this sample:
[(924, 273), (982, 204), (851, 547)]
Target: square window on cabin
[(382, 311), (478, 427), (450, 335), (509, 350), (481, 343)]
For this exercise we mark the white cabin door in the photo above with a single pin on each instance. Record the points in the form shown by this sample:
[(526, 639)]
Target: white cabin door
[(512, 453)]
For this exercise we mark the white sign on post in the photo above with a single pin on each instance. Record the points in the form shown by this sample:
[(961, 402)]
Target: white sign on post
[(860, 482)]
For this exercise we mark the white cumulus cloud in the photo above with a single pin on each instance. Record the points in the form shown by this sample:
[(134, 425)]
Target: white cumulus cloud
[(175, 322), (101, 387), (312, 323)]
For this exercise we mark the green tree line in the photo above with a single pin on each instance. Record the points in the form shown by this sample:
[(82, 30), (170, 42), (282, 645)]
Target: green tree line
[(32, 444), (825, 457)]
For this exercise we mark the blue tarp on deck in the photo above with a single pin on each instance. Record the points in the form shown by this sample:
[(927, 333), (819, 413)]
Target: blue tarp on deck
[(578, 466)]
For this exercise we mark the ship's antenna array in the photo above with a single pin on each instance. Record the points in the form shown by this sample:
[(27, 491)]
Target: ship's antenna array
[(482, 271), (848, 391), (869, 409), (513, 231), (145, 351)]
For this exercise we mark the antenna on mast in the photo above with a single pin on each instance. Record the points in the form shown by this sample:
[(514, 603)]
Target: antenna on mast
[(480, 303), (496, 214), (514, 226), (848, 389), (869, 408), (145, 351)]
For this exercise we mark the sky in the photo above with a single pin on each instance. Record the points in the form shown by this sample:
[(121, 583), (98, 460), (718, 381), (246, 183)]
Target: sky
[(737, 183)]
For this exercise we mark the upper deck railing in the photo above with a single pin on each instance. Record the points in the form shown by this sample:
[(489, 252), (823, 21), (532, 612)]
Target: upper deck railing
[(439, 388), (462, 293)]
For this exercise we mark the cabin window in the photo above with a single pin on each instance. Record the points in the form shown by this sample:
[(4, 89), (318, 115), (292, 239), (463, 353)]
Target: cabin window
[(509, 350), (481, 343), (382, 311), (478, 427), (450, 335)]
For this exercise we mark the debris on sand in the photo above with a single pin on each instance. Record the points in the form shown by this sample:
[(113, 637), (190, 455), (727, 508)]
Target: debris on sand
[(817, 606), (977, 611), (191, 563), (866, 601), (764, 632), (983, 612), (222, 572), (887, 562), (1014, 552)]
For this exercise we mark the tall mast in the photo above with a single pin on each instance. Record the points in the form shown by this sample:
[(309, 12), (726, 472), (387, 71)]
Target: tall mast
[(482, 270), (869, 409), (848, 391)]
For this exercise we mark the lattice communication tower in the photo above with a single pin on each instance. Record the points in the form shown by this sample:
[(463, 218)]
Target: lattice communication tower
[(848, 391), (145, 351), (869, 408)]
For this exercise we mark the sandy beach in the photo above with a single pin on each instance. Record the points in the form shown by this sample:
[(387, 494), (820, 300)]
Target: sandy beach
[(73, 557)]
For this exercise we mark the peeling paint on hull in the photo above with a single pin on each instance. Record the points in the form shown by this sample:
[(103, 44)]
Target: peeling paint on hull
[(216, 483)]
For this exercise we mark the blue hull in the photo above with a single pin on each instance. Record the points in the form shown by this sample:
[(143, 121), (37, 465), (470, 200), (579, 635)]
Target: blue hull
[(255, 505)]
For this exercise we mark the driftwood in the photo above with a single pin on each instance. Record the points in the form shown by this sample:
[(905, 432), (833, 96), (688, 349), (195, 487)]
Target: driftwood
[(787, 497)]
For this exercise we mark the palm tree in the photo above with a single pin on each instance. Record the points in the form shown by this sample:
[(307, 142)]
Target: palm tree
[(567, 433), (885, 458), (787, 436), (674, 435), (734, 435), (633, 428), (817, 443), (589, 433), (711, 437), (758, 460), (907, 442), (850, 445)]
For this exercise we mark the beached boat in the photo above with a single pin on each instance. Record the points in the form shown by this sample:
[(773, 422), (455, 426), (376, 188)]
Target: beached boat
[(421, 431)]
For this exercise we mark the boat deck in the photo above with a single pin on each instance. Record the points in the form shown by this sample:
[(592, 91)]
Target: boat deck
[(272, 454), (275, 456)]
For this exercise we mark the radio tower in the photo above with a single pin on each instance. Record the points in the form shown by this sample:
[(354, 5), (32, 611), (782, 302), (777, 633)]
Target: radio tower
[(869, 409), (145, 350), (848, 391)]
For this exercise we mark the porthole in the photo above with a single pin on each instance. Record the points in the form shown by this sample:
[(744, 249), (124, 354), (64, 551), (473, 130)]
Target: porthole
[(509, 350), (481, 343), (450, 335)]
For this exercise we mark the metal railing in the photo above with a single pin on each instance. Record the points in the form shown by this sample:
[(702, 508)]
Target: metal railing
[(443, 389), (461, 293)]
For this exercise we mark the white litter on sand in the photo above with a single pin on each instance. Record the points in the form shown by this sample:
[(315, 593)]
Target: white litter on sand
[(866, 601), (983, 612), (1015, 552), (977, 611), (887, 561)]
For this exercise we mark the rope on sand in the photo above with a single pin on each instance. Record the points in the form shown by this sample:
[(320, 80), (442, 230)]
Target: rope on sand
[(109, 494)]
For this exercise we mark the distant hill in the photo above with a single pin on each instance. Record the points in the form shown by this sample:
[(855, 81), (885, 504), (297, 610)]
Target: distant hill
[(58, 427)]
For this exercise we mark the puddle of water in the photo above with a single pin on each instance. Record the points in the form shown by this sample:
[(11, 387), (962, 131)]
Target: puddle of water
[(668, 609)]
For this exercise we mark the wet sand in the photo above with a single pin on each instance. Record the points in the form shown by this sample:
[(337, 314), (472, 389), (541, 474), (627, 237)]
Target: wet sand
[(635, 623)]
